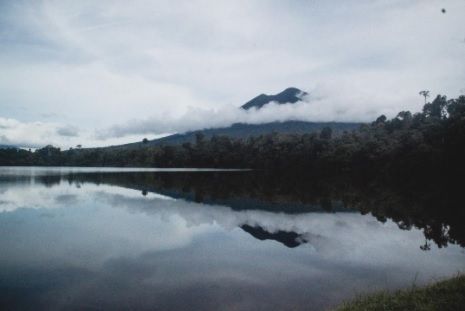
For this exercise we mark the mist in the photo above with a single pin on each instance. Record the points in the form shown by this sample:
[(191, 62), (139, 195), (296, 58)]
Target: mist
[(325, 103)]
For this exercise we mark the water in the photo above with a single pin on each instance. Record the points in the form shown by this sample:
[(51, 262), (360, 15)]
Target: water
[(202, 240)]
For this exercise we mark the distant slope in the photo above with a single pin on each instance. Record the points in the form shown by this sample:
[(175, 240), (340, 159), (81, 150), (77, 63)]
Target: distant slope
[(8, 147), (244, 131), (288, 96)]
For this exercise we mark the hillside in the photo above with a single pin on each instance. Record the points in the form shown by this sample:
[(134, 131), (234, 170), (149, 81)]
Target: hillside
[(243, 131), (8, 146)]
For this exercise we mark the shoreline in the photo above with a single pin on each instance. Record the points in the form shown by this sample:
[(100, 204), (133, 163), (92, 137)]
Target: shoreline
[(447, 294)]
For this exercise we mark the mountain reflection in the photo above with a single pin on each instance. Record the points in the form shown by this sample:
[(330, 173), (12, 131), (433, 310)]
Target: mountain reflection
[(229, 240), (290, 239), (436, 210)]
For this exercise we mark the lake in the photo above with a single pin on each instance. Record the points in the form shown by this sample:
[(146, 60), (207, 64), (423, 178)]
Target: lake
[(93, 238)]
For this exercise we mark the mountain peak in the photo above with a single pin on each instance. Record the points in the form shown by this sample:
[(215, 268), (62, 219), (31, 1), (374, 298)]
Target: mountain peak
[(290, 95)]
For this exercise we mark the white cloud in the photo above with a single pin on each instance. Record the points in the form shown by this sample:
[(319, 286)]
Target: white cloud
[(39, 134), (323, 104), (28, 134), (92, 64)]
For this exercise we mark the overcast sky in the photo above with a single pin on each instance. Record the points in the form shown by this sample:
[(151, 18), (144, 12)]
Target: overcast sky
[(104, 72)]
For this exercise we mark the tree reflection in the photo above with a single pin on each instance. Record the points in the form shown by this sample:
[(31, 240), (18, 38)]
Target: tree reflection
[(435, 208)]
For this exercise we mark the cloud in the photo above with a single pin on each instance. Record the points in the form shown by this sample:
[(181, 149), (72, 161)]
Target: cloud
[(39, 134), (323, 104), (4, 140), (26, 134), (69, 131), (100, 64)]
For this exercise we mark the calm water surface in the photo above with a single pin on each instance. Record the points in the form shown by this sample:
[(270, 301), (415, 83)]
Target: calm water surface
[(198, 240)]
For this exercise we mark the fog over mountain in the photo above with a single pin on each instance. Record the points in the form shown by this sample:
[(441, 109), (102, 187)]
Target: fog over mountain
[(102, 73), (291, 104)]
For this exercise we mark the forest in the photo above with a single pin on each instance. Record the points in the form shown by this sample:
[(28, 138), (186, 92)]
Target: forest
[(428, 142)]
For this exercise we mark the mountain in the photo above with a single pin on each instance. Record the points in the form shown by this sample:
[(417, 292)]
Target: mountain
[(8, 147), (243, 131), (290, 95)]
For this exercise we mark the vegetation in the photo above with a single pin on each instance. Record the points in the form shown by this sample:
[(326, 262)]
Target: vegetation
[(358, 169), (243, 131), (434, 206), (427, 142), (447, 295)]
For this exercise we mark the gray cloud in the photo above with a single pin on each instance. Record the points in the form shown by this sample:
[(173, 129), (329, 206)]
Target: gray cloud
[(69, 131), (100, 64), (4, 140)]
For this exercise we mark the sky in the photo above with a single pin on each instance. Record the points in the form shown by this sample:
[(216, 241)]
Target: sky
[(98, 73)]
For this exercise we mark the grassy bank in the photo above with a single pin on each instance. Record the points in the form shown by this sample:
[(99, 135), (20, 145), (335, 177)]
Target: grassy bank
[(444, 295)]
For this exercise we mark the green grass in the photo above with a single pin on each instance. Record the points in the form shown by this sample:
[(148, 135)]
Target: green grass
[(446, 295)]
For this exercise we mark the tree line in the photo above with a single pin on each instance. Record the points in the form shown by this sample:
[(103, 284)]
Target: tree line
[(429, 141)]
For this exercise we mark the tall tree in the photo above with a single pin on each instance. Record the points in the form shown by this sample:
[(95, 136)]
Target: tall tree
[(425, 94)]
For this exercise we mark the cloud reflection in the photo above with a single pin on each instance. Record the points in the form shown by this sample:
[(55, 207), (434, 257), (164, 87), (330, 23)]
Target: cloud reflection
[(107, 247)]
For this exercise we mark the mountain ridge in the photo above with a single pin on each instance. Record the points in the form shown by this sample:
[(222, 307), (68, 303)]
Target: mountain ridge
[(290, 95), (244, 131)]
